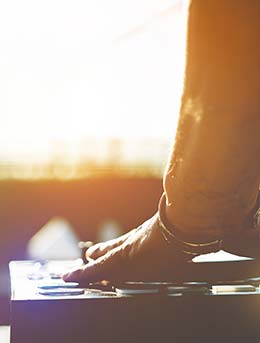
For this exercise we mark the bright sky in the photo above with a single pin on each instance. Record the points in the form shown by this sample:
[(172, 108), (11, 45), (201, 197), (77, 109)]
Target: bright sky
[(74, 69)]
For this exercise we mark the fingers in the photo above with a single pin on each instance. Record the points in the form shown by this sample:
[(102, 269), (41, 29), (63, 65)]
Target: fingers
[(100, 249), (106, 267)]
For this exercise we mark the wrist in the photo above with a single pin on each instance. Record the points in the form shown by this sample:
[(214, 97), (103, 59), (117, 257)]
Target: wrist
[(189, 244), (198, 229)]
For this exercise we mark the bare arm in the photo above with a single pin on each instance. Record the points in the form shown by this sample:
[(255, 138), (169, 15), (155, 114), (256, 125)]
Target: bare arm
[(212, 178), (213, 174)]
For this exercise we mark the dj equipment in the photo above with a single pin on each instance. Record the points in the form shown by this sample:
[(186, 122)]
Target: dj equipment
[(131, 312)]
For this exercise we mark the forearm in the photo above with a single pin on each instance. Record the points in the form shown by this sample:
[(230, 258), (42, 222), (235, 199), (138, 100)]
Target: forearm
[(213, 175)]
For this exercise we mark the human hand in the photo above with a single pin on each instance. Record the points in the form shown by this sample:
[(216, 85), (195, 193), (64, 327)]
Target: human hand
[(141, 254), (247, 241)]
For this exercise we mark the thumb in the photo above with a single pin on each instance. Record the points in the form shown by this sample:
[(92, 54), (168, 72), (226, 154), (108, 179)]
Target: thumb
[(246, 243)]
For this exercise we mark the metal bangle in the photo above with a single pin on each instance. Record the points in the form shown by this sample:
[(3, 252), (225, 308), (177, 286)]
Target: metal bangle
[(188, 247)]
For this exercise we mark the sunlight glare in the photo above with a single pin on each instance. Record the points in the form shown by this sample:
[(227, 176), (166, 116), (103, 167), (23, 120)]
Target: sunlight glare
[(64, 78)]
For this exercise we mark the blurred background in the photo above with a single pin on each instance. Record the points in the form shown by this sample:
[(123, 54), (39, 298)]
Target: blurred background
[(89, 100)]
